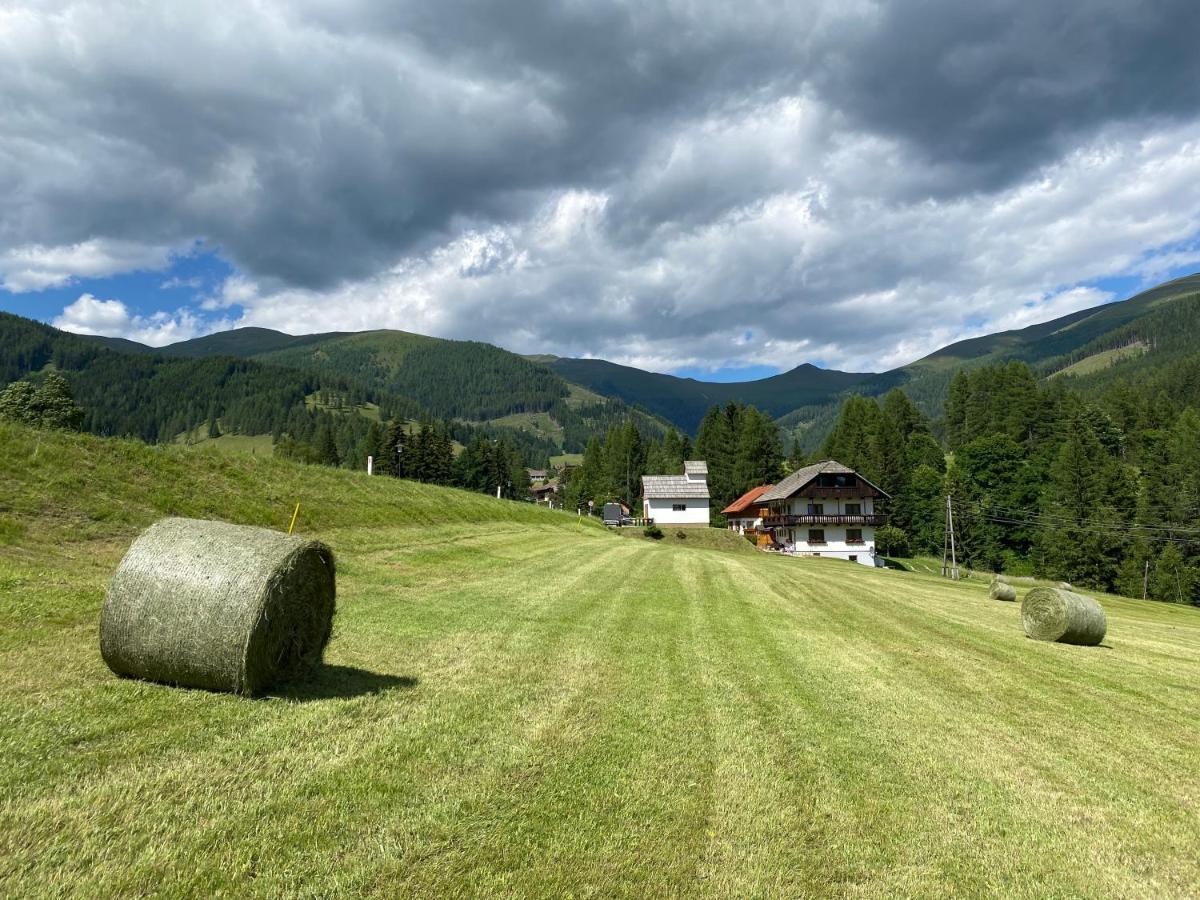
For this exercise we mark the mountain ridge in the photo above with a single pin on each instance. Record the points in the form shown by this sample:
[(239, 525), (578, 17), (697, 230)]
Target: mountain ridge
[(445, 375)]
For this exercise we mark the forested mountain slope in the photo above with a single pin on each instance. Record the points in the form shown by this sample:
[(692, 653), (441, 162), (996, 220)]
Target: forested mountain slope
[(806, 398), (684, 401), (156, 398), (466, 380), (1138, 338)]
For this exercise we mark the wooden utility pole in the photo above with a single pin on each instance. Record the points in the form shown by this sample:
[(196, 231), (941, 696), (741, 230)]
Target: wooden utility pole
[(953, 555), (948, 548), (1146, 579), (946, 541)]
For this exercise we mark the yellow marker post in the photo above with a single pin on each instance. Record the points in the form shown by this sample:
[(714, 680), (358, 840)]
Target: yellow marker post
[(295, 513)]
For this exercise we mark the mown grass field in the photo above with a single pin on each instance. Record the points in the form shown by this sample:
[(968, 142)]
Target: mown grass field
[(519, 703)]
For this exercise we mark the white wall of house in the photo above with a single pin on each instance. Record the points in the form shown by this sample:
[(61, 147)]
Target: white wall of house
[(795, 538), (741, 523), (662, 511)]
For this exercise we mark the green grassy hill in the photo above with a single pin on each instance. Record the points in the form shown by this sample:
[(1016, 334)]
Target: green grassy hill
[(518, 703)]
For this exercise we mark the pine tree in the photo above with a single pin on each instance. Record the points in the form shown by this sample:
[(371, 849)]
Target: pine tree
[(715, 445), (1075, 544), (1172, 578), (392, 457), (758, 457), (372, 446), (327, 452), (956, 410)]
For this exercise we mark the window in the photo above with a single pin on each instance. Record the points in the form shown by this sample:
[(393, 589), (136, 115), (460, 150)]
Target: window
[(816, 535), (816, 509), (832, 480), (854, 509), (678, 507), (854, 536), (853, 558)]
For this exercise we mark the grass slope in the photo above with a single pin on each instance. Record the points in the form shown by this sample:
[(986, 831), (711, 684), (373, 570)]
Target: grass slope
[(518, 703)]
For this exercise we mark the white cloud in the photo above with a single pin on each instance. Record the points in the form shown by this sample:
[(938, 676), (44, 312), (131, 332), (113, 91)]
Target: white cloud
[(849, 269), (33, 267), (112, 318), (175, 282)]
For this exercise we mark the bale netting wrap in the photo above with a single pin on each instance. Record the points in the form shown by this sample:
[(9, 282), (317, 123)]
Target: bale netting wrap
[(218, 606), (1002, 590), (1052, 614)]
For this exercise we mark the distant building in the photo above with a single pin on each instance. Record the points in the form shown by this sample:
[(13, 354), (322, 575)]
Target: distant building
[(536, 475), (677, 499), (826, 509), (545, 493), (745, 514)]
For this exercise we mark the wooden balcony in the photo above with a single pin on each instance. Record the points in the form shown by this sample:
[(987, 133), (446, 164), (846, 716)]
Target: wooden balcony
[(780, 521)]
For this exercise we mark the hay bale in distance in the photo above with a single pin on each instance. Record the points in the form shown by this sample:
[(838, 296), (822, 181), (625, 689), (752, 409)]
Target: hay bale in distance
[(1002, 579), (218, 606), (1002, 590), (1064, 586), (1052, 614)]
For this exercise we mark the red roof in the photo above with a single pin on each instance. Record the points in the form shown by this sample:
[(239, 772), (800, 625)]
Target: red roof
[(742, 503)]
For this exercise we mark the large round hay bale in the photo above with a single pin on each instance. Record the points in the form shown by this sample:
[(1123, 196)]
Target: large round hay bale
[(1002, 590), (1052, 614), (217, 606)]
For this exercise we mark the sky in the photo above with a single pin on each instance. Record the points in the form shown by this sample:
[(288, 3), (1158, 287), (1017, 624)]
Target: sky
[(713, 189)]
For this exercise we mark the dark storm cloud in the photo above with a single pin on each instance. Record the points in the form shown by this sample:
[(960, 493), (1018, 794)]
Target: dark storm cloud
[(999, 86), (774, 156)]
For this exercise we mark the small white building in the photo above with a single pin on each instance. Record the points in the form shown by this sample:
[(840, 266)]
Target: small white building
[(826, 509), (677, 499)]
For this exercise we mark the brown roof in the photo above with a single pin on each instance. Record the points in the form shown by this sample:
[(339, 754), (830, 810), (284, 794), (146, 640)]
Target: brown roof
[(664, 487), (801, 477), (744, 501)]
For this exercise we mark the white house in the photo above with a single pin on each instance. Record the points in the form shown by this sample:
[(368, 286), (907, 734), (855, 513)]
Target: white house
[(826, 509), (677, 499)]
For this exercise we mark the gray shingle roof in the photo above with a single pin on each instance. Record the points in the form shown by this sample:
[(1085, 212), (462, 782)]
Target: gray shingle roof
[(665, 487), (695, 467), (801, 477)]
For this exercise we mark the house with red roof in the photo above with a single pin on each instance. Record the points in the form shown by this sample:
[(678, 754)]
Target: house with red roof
[(745, 514)]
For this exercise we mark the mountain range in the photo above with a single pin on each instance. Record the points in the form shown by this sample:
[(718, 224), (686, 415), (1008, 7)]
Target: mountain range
[(558, 402)]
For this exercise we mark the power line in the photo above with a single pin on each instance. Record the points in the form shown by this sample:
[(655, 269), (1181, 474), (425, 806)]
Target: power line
[(1031, 517), (1104, 532)]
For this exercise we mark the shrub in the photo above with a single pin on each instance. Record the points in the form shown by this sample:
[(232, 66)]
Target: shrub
[(891, 541), (681, 534), (653, 532)]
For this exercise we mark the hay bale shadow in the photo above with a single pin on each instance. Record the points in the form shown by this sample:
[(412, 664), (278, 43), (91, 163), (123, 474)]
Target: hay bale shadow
[(340, 683)]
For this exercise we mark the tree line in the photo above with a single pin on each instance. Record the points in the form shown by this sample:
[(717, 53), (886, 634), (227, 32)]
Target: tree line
[(1043, 480), (741, 445)]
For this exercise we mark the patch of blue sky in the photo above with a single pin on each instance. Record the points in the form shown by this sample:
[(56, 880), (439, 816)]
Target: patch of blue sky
[(726, 374), (184, 284)]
